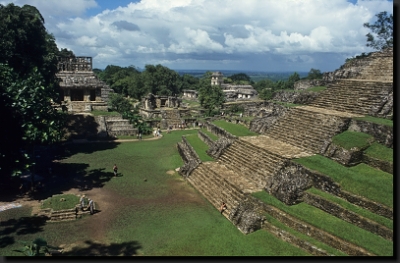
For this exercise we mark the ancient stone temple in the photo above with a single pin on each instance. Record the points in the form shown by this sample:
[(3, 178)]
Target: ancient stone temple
[(81, 90), (190, 94), (233, 92)]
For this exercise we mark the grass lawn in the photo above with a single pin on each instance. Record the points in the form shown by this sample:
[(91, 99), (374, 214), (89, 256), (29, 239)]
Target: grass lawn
[(160, 216), (361, 179), (210, 134), (104, 113), (351, 139), (235, 129)]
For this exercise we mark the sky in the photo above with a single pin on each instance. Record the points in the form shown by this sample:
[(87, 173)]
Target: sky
[(251, 35)]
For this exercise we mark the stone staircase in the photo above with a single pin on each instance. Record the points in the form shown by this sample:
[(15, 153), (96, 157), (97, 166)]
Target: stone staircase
[(218, 184), (117, 126), (62, 215), (380, 67), (364, 97), (252, 162), (309, 128)]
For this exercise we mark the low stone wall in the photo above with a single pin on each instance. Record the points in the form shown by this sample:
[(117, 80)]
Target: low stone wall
[(218, 130), (205, 138), (382, 133), (372, 206), (313, 232), (379, 164), (189, 156), (298, 242), (294, 97), (245, 217), (348, 216)]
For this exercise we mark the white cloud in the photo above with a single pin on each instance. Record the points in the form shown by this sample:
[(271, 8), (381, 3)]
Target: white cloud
[(173, 30)]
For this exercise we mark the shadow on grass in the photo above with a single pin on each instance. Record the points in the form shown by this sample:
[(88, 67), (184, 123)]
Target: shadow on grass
[(20, 226), (95, 249)]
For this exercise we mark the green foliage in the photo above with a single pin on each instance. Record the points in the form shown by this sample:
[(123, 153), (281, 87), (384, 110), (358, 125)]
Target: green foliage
[(351, 139), (314, 74), (211, 99), (61, 202), (37, 247), (382, 31), (28, 86), (117, 102), (361, 179), (160, 80), (239, 79), (380, 152), (234, 108)]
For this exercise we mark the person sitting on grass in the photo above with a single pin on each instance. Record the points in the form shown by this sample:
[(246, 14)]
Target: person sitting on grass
[(222, 207)]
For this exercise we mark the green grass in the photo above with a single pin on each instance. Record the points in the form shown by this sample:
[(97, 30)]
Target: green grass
[(381, 121), (54, 202), (235, 129), (210, 134), (361, 179), (351, 139), (104, 113), (379, 151), (166, 216), (286, 104), (200, 147), (353, 208), (332, 224), (316, 89)]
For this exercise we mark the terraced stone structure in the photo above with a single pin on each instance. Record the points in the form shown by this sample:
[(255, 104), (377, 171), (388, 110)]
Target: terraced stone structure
[(264, 163)]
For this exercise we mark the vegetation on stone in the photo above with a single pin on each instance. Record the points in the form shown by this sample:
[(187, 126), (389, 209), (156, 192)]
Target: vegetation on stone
[(60, 202), (351, 139)]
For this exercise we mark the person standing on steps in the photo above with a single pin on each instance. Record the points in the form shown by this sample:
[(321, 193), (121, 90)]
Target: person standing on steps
[(115, 168)]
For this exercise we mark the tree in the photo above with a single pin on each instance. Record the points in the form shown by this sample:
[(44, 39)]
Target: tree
[(382, 32), (314, 74), (28, 87), (211, 98)]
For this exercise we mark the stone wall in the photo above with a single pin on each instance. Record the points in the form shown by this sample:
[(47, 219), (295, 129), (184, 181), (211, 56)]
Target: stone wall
[(224, 141), (268, 115), (372, 206), (189, 156), (246, 218), (348, 216), (292, 239), (289, 183), (379, 164), (205, 138), (382, 133), (312, 231), (344, 156), (308, 83), (294, 97)]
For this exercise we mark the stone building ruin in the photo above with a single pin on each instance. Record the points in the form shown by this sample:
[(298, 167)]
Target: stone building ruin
[(233, 92), (81, 90)]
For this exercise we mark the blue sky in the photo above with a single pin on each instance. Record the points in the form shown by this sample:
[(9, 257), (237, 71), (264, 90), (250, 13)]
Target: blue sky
[(256, 35)]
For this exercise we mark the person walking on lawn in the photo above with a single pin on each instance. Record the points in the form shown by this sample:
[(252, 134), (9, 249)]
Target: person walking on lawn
[(115, 168)]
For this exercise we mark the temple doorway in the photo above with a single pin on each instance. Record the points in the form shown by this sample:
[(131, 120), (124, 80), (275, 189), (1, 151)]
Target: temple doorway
[(77, 95)]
